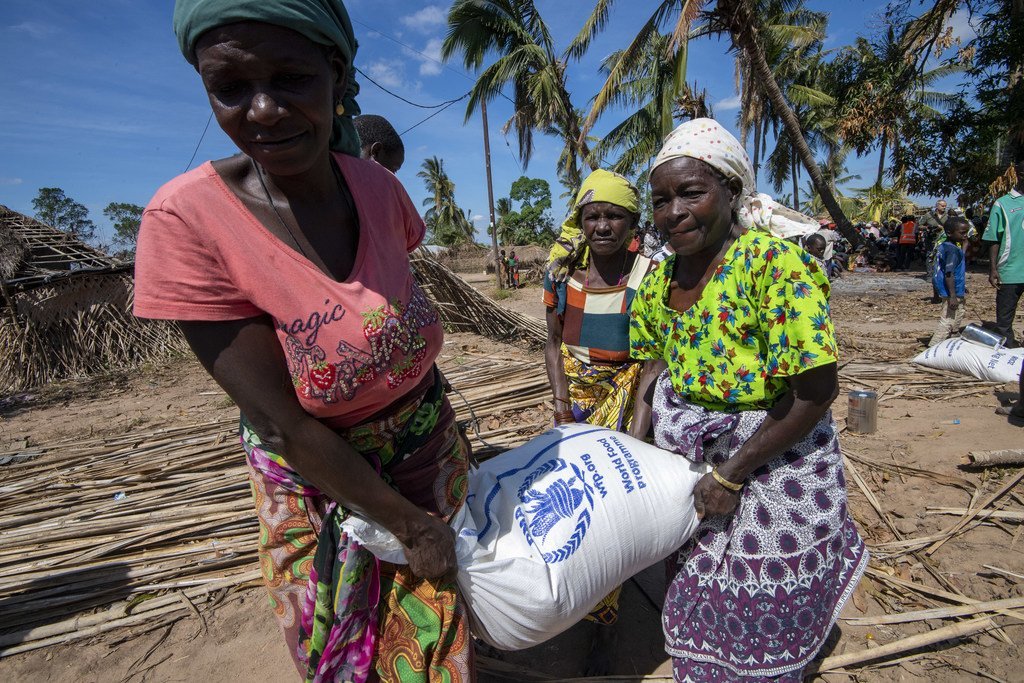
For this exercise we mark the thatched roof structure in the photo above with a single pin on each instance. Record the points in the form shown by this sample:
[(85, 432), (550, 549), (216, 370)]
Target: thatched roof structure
[(12, 251), (65, 308), (33, 253)]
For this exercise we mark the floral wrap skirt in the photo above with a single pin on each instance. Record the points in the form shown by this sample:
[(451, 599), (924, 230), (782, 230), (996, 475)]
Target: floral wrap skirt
[(753, 595), (345, 615)]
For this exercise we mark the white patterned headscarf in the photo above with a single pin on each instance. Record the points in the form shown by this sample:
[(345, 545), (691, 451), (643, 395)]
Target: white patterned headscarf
[(708, 141)]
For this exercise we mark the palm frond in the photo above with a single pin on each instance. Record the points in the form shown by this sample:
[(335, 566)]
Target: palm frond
[(687, 13), (806, 96), (594, 24), (627, 62)]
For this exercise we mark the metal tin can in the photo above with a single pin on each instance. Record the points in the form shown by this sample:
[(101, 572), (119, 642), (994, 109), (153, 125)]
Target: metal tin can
[(862, 416), (980, 335)]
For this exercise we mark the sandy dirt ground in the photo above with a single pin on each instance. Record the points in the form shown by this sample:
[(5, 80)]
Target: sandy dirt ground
[(879, 318)]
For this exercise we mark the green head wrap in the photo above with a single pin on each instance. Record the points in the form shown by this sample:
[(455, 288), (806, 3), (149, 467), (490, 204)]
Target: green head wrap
[(600, 186), (324, 22)]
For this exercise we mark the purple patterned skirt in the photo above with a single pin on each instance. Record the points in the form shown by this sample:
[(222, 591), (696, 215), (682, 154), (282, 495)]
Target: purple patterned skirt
[(755, 594)]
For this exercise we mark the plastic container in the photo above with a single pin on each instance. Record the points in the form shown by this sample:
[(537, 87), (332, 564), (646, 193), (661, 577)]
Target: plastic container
[(979, 335), (862, 416)]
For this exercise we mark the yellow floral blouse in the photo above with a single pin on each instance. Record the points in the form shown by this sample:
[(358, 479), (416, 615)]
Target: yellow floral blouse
[(762, 317)]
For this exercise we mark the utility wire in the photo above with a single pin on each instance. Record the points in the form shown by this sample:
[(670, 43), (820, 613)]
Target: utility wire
[(396, 95), (196, 150), (422, 54), (516, 159), (432, 115)]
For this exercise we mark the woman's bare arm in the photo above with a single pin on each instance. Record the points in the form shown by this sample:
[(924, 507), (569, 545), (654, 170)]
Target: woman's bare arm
[(554, 364), (245, 358), (645, 397)]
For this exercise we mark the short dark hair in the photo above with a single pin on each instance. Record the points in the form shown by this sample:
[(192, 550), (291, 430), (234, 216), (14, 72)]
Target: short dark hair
[(373, 128), (950, 224), (815, 237)]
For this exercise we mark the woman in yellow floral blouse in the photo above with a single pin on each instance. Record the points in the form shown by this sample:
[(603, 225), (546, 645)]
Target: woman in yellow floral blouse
[(740, 320)]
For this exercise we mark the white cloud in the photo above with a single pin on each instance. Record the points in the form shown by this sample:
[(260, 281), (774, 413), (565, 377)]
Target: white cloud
[(728, 104), (429, 58), (478, 217), (34, 29), (427, 19), (10, 181), (388, 72)]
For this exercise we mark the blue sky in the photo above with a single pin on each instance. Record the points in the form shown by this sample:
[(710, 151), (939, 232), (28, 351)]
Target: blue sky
[(99, 101)]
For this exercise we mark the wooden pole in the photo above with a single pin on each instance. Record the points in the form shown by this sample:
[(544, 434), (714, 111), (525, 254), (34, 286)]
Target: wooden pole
[(1012, 456), (962, 629), (490, 195)]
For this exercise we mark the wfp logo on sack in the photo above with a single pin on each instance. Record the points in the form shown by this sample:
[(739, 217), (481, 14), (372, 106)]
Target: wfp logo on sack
[(559, 509)]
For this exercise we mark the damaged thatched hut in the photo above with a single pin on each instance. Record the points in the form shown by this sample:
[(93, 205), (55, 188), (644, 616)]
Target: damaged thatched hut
[(66, 308)]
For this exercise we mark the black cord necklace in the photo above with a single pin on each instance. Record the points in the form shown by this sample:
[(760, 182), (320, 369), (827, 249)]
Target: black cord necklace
[(341, 186)]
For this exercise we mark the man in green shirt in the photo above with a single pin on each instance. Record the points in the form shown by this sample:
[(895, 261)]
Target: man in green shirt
[(1006, 232)]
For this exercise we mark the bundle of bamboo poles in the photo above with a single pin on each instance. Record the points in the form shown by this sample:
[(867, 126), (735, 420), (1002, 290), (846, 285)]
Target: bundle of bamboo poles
[(906, 380), (463, 309), (127, 530)]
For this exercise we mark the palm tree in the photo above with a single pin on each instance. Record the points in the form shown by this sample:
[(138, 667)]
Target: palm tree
[(448, 225), (738, 18), (852, 206), (881, 203), (793, 39), (650, 86), (792, 42), (889, 93), (527, 61), (502, 208)]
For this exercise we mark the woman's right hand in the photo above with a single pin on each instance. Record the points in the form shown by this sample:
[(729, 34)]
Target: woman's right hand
[(711, 499), (430, 552)]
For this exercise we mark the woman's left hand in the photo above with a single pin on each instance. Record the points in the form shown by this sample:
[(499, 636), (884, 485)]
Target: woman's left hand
[(712, 499)]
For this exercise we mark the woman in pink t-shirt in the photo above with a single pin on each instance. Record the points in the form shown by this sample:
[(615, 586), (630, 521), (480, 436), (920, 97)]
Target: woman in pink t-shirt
[(287, 268)]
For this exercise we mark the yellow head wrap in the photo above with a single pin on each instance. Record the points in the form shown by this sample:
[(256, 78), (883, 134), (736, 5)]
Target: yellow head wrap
[(600, 186)]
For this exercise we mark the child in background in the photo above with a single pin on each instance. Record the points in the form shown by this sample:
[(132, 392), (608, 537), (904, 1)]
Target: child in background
[(814, 244), (949, 278), (513, 269)]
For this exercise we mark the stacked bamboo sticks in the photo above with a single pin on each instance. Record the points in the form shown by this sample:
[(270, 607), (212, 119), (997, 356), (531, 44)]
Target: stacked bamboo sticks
[(138, 530), (133, 529), (464, 309), (905, 380)]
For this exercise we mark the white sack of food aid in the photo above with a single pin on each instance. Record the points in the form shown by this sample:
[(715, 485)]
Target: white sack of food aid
[(551, 527), (984, 362)]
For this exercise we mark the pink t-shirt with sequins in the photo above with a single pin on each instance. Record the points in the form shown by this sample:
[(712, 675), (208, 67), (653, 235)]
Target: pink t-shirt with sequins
[(352, 347)]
